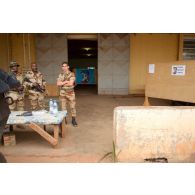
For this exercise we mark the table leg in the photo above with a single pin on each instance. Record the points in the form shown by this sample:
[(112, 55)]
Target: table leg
[(56, 133), (64, 127), (11, 128), (44, 134), (65, 120)]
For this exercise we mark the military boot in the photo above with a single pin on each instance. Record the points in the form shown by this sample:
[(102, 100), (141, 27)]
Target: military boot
[(66, 121), (74, 123)]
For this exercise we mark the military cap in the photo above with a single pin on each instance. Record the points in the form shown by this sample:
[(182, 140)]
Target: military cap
[(13, 63)]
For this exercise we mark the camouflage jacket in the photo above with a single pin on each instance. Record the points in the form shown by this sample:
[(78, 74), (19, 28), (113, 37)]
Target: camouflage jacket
[(66, 77), (20, 78), (34, 78)]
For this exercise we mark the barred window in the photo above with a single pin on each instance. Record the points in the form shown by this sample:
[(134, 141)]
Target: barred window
[(189, 47)]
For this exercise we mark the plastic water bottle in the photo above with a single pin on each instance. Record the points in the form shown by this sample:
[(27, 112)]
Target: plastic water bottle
[(51, 106), (55, 107)]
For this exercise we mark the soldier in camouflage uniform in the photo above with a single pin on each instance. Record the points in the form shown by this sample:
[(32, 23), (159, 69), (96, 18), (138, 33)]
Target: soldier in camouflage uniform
[(16, 94), (66, 81), (35, 82), (7, 82)]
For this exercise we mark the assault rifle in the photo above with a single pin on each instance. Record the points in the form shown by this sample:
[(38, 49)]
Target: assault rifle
[(37, 88), (20, 90)]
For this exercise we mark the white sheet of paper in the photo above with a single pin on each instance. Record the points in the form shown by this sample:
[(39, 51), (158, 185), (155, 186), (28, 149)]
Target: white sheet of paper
[(151, 68), (178, 70)]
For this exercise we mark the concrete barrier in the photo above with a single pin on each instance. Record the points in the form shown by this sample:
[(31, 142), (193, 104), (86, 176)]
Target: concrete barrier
[(154, 132)]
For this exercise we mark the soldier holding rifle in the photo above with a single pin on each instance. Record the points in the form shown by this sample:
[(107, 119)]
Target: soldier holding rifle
[(35, 82), (16, 94)]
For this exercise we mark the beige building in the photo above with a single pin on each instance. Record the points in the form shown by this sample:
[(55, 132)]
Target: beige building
[(122, 59)]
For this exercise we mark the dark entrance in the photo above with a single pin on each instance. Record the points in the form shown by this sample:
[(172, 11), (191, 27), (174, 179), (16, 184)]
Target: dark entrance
[(82, 58)]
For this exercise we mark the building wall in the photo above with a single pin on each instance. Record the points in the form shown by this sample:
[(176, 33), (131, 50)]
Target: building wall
[(19, 47), (22, 49), (122, 58), (4, 51), (51, 51), (113, 63), (146, 49)]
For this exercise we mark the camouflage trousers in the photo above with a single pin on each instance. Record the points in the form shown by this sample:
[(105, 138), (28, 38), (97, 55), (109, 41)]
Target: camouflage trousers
[(68, 97), (18, 101), (36, 100)]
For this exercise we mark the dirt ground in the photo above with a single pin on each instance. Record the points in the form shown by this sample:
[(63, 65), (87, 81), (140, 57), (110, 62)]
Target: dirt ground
[(88, 142)]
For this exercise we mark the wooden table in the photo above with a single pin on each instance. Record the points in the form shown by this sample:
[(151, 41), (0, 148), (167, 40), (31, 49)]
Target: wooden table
[(38, 118)]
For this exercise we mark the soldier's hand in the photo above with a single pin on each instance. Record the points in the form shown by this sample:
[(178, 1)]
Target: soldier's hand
[(60, 83), (65, 82), (21, 88), (34, 84)]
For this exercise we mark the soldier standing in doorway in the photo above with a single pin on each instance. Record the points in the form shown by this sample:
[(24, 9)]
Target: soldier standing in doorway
[(37, 85), (17, 94), (66, 81)]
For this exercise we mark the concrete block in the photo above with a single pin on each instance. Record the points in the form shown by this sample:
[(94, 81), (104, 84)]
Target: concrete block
[(154, 132), (9, 139)]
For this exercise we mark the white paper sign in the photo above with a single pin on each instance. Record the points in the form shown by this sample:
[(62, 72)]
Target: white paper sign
[(151, 68), (178, 70)]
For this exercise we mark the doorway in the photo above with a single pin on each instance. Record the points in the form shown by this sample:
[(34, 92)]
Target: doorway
[(82, 58)]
